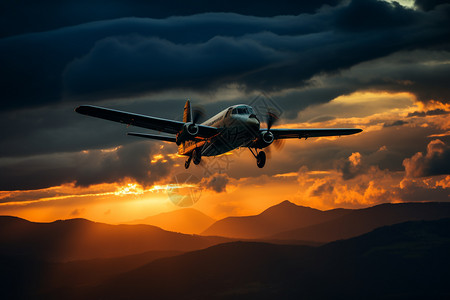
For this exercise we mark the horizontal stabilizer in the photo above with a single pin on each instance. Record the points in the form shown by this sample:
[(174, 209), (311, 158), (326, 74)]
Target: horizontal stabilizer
[(153, 136)]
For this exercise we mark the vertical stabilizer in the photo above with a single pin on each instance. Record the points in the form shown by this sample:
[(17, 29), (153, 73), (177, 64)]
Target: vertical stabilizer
[(187, 117), (187, 112)]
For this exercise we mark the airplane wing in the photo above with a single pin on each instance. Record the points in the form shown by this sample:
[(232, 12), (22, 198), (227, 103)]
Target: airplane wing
[(154, 136), (280, 133), (159, 124)]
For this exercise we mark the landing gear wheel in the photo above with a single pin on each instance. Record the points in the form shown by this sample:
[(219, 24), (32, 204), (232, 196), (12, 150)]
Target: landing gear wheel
[(261, 159), (188, 162), (196, 156)]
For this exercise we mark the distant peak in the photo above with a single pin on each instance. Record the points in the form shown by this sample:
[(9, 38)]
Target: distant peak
[(282, 206), (286, 203), (287, 206)]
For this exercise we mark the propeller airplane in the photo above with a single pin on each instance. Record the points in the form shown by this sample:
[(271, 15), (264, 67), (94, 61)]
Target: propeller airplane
[(234, 127)]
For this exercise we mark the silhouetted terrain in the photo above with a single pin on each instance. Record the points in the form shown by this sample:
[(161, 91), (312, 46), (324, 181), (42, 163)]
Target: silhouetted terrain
[(78, 239), (186, 220), (287, 221), (95, 271), (361, 221), (21, 277), (278, 218), (404, 261)]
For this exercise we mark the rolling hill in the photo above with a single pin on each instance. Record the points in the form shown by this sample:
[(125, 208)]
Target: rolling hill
[(186, 220), (77, 239), (281, 217)]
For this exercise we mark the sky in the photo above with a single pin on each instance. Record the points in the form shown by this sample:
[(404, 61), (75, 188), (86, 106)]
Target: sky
[(380, 66)]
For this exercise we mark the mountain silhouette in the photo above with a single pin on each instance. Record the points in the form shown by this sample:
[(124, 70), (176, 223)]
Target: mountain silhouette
[(361, 221), (403, 261), (27, 277), (281, 217), (95, 271), (186, 220), (77, 239)]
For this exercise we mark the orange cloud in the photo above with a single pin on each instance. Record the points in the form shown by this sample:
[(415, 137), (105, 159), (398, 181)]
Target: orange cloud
[(435, 162)]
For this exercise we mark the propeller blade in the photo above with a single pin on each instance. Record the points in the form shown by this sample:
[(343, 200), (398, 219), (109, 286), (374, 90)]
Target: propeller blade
[(268, 152), (278, 144), (198, 114), (271, 118)]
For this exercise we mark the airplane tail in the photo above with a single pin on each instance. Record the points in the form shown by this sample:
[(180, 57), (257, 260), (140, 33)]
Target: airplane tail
[(187, 115)]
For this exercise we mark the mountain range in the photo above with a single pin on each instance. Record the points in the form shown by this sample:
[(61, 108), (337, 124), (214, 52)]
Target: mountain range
[(358, 254), (278, 218), (287, 221), (364, 220), (403, 261)]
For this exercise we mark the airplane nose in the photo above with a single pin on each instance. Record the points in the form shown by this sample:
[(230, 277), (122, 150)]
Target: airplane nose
[(253, 116), (253, 122)]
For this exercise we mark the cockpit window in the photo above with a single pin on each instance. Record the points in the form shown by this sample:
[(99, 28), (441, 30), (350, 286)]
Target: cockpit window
[(242, 110)]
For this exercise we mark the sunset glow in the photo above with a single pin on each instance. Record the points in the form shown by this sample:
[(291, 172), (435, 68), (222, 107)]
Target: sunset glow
[(61, 165), (368, 186), (225, 149)]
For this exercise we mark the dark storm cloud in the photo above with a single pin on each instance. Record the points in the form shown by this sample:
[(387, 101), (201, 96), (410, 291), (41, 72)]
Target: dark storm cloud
[(365, 15), (414, 192), (324, 188), (436, 161), (135, 56), (433, 112), (59, 129), (18, 17), (33, 65), (429, 4), (419, 72), (349, 168), (216, 182), (83, 168), (162, 64), (395, 123)]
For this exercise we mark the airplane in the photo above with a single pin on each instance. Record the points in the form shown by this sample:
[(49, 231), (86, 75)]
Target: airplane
[(234, 127)]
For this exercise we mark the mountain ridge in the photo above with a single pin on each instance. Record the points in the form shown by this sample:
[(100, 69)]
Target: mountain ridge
[(360, 221), (280, 217)]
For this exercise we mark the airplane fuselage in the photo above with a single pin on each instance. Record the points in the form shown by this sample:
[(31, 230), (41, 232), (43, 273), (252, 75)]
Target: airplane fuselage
[(238, 127)]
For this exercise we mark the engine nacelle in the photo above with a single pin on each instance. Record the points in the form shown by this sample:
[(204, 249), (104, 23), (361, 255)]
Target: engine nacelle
[(265, 139), (191, 128), (189, 131)]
